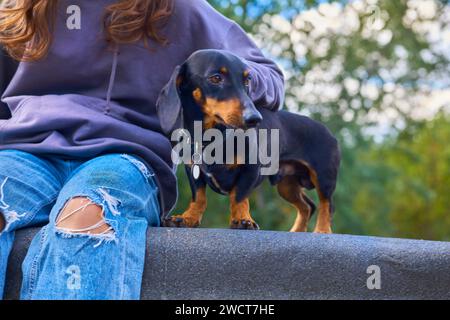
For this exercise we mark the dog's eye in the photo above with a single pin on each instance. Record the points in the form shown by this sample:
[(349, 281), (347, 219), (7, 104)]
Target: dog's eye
[(216, 79), (248, 81)]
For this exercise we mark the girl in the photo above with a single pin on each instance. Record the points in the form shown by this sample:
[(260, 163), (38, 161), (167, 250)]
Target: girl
[(83, 152)]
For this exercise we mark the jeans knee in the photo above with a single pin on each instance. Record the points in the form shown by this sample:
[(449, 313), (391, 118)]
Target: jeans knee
[(83, 217), (8, 216), (141, 166)]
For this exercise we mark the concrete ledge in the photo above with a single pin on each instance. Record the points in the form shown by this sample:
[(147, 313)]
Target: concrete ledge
[(225, 264)]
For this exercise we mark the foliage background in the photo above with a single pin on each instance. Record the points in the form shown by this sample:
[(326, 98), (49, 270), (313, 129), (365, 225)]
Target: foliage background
[(376, 73)]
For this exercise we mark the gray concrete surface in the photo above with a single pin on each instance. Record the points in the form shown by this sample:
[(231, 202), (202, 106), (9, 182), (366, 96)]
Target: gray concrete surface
[(225, 264)]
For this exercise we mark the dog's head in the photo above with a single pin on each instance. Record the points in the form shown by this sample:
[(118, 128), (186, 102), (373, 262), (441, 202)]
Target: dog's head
[(215, 82)]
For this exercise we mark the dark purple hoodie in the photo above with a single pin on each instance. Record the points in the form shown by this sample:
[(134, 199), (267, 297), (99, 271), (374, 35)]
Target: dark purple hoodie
[(84, 99)]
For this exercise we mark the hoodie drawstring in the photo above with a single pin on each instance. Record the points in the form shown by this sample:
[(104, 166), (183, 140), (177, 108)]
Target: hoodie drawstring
[(112, 79)]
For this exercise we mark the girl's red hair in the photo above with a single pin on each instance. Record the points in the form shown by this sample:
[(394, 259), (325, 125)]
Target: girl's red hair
[(25, 25)]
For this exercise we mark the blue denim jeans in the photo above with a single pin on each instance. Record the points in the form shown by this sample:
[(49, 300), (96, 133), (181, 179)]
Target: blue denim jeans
[(76, 264)]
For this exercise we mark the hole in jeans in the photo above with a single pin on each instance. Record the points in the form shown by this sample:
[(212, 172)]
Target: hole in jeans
[(2, 222), (82, 216)]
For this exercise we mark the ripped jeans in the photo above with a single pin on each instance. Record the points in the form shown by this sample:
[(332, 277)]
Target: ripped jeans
[(78, 263)]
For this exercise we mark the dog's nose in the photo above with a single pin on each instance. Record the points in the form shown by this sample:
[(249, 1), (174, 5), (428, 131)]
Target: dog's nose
[(253, 119)]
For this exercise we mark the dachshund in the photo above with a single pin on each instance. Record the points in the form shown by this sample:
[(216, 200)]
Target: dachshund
[(213, 86)]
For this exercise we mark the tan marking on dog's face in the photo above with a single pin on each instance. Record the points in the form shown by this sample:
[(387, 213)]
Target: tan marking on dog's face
[(224, 70), (228, 112), (246, 73), (198, 95)]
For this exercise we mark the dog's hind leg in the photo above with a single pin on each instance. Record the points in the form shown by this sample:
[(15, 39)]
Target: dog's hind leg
[(323, 224), (290, 190), (324, 219)]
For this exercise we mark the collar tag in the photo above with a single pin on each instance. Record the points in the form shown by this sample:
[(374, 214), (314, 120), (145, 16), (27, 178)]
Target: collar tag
[(197, 160), (196, 171)]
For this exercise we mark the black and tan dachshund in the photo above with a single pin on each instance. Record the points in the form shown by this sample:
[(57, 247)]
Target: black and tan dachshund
[(213, 86)]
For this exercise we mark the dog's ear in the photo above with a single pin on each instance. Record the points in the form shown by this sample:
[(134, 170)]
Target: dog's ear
[(168, 105)]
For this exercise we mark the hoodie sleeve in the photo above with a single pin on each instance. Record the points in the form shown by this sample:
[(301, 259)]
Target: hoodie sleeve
[(267, 88)]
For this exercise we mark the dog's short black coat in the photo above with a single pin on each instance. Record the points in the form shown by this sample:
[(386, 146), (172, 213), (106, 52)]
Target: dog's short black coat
[(7, 69), (214, 87)]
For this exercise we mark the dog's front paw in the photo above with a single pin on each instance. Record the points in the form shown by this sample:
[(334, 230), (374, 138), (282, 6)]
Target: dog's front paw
[(244, 225), (180, 222)]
